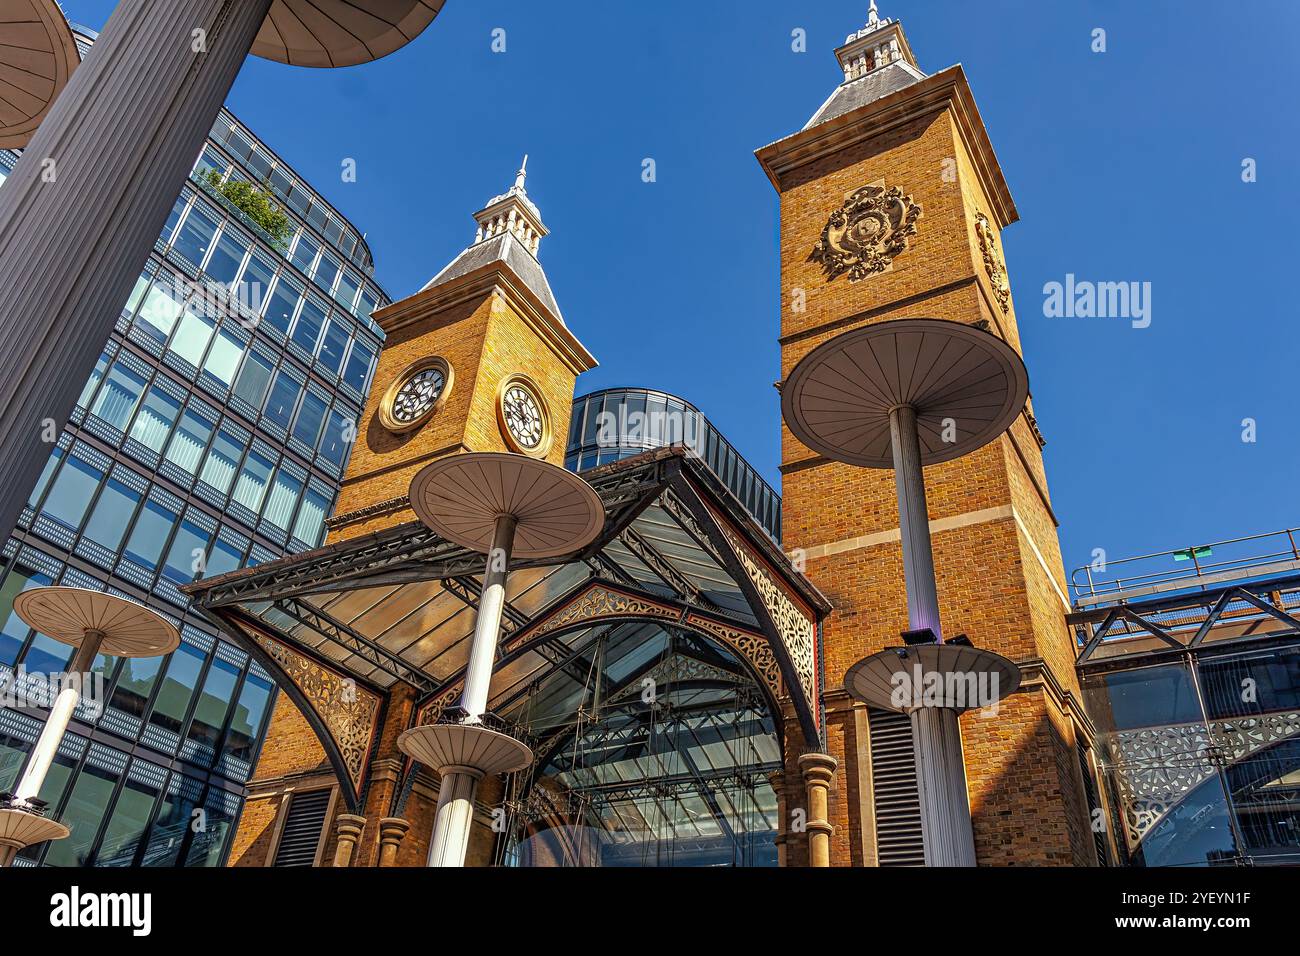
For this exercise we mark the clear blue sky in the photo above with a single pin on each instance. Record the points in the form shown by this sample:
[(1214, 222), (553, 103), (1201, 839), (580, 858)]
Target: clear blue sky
[(1124, 166)]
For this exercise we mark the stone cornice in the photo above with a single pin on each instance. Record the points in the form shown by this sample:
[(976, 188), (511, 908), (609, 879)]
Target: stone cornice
[(947, 90), (495, 277)]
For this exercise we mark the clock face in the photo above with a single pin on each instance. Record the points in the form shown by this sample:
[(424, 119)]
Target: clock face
[(522, 413), (417, 396)]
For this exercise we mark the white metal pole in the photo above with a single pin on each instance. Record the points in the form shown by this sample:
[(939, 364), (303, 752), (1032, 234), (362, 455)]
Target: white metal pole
[(47, 745), (940, 766), (454, 816), (487, 626)]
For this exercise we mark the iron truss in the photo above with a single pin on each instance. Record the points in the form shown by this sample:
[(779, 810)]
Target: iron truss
[(1183, 623)]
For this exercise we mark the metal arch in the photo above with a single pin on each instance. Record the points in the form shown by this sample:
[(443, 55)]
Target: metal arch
[(683, 621), (338, 763), (808, 711)]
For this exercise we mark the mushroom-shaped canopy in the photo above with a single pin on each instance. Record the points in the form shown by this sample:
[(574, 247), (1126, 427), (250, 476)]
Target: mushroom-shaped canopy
[(330, 33), (37, 55)]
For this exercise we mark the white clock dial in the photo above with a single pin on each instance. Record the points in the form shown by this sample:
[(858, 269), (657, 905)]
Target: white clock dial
[(418, 395), (523, 416)]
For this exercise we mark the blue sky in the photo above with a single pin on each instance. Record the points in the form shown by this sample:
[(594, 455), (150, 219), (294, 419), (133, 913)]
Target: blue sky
[(1125, 166)]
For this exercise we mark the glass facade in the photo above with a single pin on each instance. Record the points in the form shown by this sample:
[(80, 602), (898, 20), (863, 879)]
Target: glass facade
[(212, 435), (1200, 754), (618, 423)]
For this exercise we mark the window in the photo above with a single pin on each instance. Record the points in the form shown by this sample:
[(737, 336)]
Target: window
[(172, 822), (14, 632), (150, 534), (223, 359), (153, 423), (112, 514), (117, 399), (182, 677), (93, 382), (189, 548), (255, 283), (222, 559), (253, 479), (310, 417), (307, 331), (327, 271), (253, 377), (246, 721), (189, 441), (224, 265), (311, 518), (347, 290), (134, 685), (304, 254), (161, 308), (283, 499), (335, 344), (358, 368), (337, 444), (83, 814), (192, 337), (366, 307), (214, 701), (174, 216), (137, 294), (284, 395), (210, 159), (127, 824), (195, 237), (72, 492), (223, 461), (283, 302), (56, 456)]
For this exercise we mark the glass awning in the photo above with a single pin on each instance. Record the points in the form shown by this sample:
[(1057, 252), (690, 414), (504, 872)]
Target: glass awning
[(397, 607)]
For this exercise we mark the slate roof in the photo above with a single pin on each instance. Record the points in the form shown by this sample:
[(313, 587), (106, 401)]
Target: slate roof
[(506, 248), (867, 89)]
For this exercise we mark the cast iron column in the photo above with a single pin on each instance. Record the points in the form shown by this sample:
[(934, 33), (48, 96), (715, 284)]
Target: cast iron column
[(85, 203)]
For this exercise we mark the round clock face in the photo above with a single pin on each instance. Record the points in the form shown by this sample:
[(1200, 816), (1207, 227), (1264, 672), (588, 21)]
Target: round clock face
[(417, 396), (523, 416)]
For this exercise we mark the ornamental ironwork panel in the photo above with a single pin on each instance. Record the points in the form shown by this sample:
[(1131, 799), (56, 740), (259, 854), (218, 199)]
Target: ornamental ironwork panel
[(797, 631), (1155, 768), (348, 711)]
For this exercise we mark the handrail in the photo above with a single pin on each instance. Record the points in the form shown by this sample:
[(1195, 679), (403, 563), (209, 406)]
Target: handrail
[(1139, 575)]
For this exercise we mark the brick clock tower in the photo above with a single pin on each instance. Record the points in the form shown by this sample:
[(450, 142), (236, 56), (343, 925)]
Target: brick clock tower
[(479, 360), (892, 207)]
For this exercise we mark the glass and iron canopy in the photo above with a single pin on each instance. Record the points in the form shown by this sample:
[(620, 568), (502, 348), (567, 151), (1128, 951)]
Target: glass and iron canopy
[(661, 658)]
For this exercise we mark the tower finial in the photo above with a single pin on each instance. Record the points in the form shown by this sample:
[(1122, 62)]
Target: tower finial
[(522, 174), (873, 15)]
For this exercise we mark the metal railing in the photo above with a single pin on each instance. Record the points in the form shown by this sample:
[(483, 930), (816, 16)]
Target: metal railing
[(1196, 567)]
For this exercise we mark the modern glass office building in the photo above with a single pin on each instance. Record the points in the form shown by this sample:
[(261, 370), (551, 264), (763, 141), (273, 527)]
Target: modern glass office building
[(617, 423), (212, 435), (1190, 667)]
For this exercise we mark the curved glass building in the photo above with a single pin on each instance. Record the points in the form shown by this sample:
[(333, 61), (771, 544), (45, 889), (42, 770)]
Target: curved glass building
[(212, 435), (617, 423)]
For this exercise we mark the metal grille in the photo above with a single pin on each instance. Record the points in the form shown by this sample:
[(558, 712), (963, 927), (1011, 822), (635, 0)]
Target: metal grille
[(1094, 806), (893, 786), (302, 829)]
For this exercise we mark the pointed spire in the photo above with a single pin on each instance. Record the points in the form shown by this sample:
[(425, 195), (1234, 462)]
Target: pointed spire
[(514, 213), (873, 16)]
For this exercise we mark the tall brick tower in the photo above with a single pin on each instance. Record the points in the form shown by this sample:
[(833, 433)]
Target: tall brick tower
[(892, 207), (479, 360)]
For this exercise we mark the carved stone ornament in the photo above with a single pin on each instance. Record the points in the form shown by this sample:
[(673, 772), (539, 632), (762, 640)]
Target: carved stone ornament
[(866, 234), (993, 264)]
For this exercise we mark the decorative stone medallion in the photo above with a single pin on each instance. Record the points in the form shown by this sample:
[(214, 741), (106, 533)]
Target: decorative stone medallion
[(865, 235), (993, 265)]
